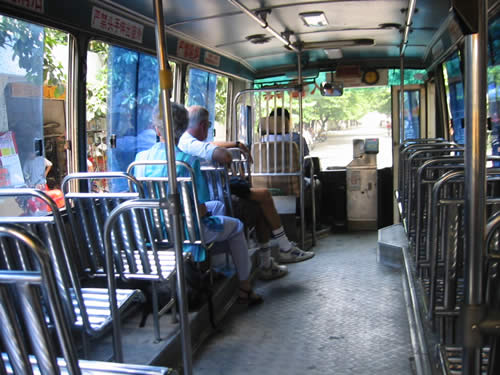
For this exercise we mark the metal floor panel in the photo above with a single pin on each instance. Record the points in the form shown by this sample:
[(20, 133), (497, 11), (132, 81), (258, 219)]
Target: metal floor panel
[(338, 313)]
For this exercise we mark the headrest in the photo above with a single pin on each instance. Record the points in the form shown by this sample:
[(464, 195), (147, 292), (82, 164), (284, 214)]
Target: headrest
[(279, 120)]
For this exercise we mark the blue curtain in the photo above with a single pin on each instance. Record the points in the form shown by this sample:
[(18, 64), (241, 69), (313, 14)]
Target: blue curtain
[(412, 114), (133, 95), (202, 88)]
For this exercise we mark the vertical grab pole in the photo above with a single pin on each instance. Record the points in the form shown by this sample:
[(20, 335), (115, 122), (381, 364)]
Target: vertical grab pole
[(173, 203), (402, 100), (473, 310), (301, 152)]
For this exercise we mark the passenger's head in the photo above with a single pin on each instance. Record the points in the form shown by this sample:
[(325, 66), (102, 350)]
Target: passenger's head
[(198, 122), (274, 123), (179, 121), (279, 112)]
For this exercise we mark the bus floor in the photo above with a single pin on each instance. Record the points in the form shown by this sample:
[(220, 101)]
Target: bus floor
[(338, 313)]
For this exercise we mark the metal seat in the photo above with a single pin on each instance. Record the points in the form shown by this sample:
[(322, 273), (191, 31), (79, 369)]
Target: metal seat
[(86, 308), (26, 298), (145, 263), (277, 166), (445, 242), (157, 188), (134, 245), (217, 178)]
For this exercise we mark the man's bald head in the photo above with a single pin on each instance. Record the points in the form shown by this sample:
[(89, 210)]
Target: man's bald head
[(198, 122)]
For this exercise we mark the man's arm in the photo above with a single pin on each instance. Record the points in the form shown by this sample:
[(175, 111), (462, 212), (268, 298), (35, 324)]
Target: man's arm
[(216, 151), (222, 156), (235, 144)]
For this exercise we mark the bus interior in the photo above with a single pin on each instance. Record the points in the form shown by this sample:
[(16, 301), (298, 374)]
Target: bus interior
[(372, 126)]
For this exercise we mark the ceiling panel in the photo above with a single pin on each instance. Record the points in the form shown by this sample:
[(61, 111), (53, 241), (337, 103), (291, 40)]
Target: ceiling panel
[(219, 25)]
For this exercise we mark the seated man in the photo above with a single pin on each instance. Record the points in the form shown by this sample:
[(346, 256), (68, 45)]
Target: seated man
[(193, 142), (295, 137), (215, 227), (285, 137)]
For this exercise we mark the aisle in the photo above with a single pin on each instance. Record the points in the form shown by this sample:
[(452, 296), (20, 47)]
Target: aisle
[(338, 313)]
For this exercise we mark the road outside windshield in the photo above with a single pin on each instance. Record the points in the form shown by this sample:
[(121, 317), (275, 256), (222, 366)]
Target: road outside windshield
[(331, 124)]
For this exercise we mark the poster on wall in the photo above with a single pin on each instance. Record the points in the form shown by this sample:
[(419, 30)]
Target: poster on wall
[(11, 172)]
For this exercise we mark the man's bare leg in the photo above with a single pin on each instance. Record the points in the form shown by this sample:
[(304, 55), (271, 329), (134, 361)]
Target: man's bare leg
[(269, 269), (288, 252), (265, 200)]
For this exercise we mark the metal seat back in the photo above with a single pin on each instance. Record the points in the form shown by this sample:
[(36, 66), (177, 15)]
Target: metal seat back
[(217, 178), (446, 245), (30, 344), (83, 307), (157, 188), (277, 165), (23, 310), (88, 212), (51, 230)]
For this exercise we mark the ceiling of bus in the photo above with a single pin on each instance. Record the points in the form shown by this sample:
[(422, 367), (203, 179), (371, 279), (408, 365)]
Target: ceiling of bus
[(222, 28), (220, 25)]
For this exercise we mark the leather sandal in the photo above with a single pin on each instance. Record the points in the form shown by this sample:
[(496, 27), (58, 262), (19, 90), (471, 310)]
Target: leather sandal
[(249, 298)]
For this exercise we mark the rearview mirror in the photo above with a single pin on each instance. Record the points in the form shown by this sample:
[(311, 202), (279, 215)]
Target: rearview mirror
[(332, 88)]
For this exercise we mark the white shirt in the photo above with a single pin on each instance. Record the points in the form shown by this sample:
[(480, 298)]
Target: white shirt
[(192, 146)]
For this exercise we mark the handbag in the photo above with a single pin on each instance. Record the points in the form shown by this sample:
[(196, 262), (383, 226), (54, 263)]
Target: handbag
[(239, 187)]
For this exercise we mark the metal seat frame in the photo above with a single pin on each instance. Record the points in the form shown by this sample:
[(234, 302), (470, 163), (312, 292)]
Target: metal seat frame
[(84, 306), (26, 297)]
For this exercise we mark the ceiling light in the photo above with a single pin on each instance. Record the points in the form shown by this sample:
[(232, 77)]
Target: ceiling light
[(329, 44), (334, 53), (314, 19)]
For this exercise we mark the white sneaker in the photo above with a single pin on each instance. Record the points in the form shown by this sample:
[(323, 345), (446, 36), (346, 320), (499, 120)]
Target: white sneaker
[(275, 271), (295, 255)]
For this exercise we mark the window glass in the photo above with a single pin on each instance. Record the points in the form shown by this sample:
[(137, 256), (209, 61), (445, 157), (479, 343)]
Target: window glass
[(220, 109), (122, 93), (411, 114), (330, 124), (412, 76), (210, 91), (493, 97), (455, 96), (33, 71)]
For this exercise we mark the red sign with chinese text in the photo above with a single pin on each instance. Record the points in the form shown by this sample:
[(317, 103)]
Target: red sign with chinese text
[(188, 51), (116, 25)]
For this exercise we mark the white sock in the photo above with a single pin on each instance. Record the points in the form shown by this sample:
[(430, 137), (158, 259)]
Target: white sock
[(265, 255), (280, 236)]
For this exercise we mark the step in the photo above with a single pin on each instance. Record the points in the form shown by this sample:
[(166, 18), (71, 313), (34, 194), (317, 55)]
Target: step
[(391, 241)]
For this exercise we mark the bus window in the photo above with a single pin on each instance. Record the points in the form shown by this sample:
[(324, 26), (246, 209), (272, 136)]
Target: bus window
[(220, 108), (411, 114), (455, 95), (493, 97), (32, 100), (331, 124), (210, 91), (122, 92)]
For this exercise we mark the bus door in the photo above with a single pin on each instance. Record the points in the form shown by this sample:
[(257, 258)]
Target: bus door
[(414, 124)]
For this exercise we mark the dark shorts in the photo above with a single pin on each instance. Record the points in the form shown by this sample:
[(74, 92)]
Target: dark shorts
[(246, 210)]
